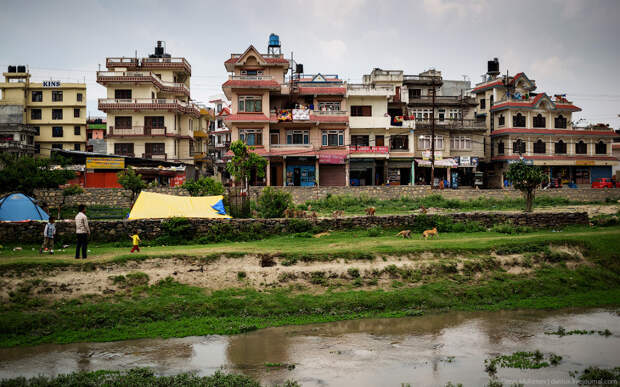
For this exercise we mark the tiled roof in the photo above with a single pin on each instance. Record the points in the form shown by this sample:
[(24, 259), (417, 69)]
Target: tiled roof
[(553, 132), (251, 83), (268, 60), (533, 103), (322, 90), (487, 86), (247, 117)]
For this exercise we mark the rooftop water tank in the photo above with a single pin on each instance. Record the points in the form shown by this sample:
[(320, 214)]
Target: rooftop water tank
[(493, 67), (21, 69), (12, 69), (274, 40)]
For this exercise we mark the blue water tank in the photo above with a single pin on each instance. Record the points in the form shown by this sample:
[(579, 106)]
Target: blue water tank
[(274, 40)]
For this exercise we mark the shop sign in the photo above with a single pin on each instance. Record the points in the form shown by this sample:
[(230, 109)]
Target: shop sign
[(465, 161), (526, 161), (368, 149), (331, 158), (426, 155), (584, 162), (51, 83), (177, 180), (105, 163)]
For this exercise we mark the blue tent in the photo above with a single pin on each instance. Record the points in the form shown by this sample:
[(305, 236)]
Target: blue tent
[(19, 207)]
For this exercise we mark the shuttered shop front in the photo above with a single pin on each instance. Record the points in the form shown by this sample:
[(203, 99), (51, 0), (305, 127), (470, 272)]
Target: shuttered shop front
[(332, 175)]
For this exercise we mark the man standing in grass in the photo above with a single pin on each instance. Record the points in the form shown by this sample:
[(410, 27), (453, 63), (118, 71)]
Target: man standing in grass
[(82, 232)]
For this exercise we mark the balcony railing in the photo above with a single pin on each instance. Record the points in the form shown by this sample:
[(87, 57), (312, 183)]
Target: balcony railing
[(422, 78), (251, 77), (157, 156), (329, 112), (149, 62), (136, 131), (369, 89), (121, 62), (291, 145), (144, 76), (368, 149), (452, 123), (148, 104), (439, 99)]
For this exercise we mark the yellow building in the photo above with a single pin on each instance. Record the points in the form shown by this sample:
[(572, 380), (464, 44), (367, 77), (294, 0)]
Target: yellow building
[(55, 109), (148, 106)]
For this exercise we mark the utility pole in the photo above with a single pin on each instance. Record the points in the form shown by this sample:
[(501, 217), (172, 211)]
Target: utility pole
[(433, 136)]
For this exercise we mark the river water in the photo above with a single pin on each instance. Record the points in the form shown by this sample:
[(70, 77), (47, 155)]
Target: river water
[(422, 351)]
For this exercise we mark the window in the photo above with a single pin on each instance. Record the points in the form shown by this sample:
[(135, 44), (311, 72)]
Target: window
[(153, 122), (483, 103), (56, 114), (399, 142), (415, 93), (76, 147), (539, 147), (157, 148), (56, 95), (220, 124), (539, 121), (35, 114), (460, 143), (454, 114), (56, 146), (600, 148), (333, 138), (360, 140), (76, 130), (274, 137), (424, 142), (37, 131), (298, 137), (329, 106), (79, 97), (500, 148), (442, 114), (361, 111), (125, 149), (501, 120), (560, 122), (423, 114), (89, 135), (37, 96), (37, 148), (560, 147), (518, 121), (57, 131), (250, 103), (76, 113), (518, 147), (219, 107), (122, 94), (122, 122), (581, 148), (251, 136), (379, 141)]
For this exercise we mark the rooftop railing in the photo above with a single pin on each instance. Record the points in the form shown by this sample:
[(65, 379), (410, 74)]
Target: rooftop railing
[(251, 77), (164, 85)]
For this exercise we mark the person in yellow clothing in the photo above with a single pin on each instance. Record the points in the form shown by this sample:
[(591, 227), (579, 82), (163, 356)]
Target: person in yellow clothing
[(136, 241)]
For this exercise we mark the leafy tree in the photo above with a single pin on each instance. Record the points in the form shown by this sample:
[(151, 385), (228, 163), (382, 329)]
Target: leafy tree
[(25, 174), (72, 190), (526, 178), (131, 181), (244, 161), (273, 202), (204, 186)]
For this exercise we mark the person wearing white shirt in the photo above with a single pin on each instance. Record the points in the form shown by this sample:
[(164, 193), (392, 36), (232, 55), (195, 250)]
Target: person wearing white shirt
[(82, 232)]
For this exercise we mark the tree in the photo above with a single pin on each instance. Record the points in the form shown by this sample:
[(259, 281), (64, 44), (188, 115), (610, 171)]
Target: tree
[(525, 178), (244, 161), (204, 186), (25, 174), (71, 190), (131, 181), (272, 203)]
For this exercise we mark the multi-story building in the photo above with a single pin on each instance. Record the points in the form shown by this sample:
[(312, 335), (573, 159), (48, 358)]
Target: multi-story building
[(95, 135), (201, 141), (55, 109), (219, 133), (299, 123), (525, 124), (15, 136), (148, 106), (459, 136)]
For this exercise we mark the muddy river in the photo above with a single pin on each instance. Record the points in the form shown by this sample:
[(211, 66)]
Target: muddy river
[(422, 351)]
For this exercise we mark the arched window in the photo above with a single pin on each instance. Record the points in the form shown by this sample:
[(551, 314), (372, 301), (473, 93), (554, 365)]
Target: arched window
[(560, 147), (539, 121), (518, 147), (600, 148), (539, 147), (518, 121), (501, 121), (560, 122), (500, 148), (581, 148)]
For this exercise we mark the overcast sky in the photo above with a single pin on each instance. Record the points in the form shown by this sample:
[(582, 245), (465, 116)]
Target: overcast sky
[(567, 46)]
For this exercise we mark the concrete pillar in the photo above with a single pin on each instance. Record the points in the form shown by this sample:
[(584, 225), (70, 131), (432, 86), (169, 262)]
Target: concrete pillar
[(449, 175), (316, 171), (268, 172), (284, 171), (346, 173)]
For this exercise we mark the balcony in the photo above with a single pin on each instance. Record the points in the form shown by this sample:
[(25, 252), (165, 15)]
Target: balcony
[(427, 100), (121, 62), (384, 76), (291, 146), (368, 149), (104, 77), (364, 90), (400, 122), (137, 104), (166, 63), (422, 79), (136, 131), (159, 156), (365, 122), (250, 77), (452, 124)]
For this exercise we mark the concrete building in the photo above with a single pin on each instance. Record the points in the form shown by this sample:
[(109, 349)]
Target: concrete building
[(149, 113), (459, 136), (523, 123), (95, 135), (299, 123), (55, 109), (15, 136), (200, 149)]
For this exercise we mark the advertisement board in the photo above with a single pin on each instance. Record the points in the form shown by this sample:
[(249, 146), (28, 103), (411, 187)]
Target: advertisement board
[(105, 163)]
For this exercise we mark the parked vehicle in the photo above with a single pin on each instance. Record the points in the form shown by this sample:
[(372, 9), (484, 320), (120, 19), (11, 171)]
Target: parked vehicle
[(604, 182)]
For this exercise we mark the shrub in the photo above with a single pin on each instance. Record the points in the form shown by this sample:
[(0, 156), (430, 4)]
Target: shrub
[(204, 186), (272, 203), (241, 275), (353, 272), (374, 231), (176, 230)]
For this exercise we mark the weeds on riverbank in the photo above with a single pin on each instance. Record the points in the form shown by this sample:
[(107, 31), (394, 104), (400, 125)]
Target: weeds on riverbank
[(563, 332), (522, 360), (594, 376)]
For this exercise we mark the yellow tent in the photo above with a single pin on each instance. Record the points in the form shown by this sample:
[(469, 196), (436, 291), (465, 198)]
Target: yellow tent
[(155, 205)]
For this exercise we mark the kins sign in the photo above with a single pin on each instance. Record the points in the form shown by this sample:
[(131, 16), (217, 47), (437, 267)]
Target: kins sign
[(51, 83)]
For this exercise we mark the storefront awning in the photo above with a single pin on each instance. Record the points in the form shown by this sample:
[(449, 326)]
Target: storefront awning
[(443, 163)]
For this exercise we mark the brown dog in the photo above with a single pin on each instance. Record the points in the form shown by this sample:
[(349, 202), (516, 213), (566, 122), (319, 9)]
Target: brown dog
[(404, 234), (370, 211), (337, 214), (314, 215), (430, 233)]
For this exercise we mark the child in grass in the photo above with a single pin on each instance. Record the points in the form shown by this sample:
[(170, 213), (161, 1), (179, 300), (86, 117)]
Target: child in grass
[(48, 236), (136, 241)]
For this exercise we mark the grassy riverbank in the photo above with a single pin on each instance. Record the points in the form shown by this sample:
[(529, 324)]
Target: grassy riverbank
[(464, 272)]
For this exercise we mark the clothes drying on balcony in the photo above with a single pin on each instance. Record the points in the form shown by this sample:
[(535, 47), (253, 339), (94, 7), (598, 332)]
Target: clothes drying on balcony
[(284, 115)]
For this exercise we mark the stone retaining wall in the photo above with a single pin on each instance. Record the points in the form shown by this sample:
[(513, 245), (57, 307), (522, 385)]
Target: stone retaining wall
[(118, 230), (112, 197)]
